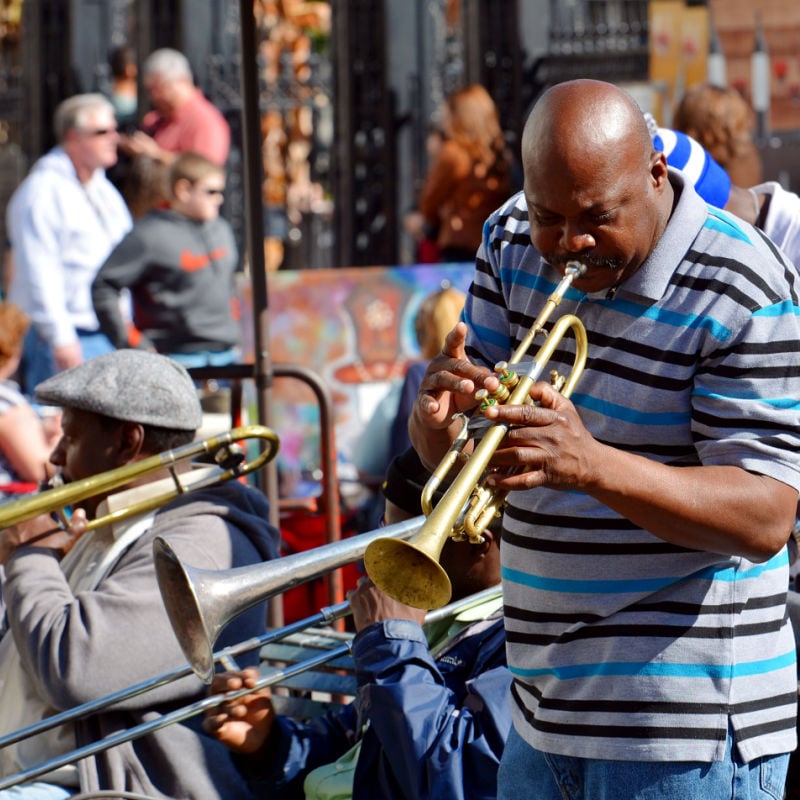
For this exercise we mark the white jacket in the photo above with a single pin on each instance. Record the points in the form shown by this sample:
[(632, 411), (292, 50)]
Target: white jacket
[(782, 223), (61, 231)]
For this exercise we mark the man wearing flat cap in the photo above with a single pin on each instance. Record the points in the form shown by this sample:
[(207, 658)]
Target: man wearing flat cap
[(84, 613)]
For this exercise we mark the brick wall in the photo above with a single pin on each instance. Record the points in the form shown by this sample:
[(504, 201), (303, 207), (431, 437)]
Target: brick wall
[(735, 22)]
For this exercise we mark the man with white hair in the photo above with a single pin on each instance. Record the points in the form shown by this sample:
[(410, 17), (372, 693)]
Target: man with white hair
[(63, 221), (182, 119)]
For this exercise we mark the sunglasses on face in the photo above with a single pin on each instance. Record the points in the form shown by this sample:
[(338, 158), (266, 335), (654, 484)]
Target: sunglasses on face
[(99, 132)]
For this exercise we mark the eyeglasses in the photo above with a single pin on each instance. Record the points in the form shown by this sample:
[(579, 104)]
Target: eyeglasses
[(99, 132)]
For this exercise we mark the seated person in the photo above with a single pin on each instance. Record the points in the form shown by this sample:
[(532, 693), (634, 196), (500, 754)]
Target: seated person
[(385, 435), (84, 611), (25, 442), (179, 264), (437, 316), (422, 725)]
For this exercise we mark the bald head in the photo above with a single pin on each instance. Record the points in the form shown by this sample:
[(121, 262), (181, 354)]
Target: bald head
[(584, 119), (596, 188)]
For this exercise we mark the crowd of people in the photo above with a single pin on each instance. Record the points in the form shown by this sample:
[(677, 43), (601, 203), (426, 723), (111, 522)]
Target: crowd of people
[(642, 647)]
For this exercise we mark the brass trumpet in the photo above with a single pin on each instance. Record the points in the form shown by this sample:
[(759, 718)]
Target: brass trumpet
[(223, 448), (409, 571)]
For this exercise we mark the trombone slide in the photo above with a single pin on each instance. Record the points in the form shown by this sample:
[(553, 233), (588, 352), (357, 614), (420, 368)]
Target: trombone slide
[(210, 701)]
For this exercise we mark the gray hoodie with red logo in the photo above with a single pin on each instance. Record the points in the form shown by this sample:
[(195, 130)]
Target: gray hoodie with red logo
[(180, 274)]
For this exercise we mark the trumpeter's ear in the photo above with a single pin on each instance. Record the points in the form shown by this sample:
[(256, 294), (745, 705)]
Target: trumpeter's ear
[(658, 168)]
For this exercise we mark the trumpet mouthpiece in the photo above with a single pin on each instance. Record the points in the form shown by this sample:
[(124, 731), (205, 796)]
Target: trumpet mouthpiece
[(575, 268)]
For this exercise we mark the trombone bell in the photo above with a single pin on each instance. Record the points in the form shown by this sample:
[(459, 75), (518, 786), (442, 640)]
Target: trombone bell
[(201, 602), (194, 631)]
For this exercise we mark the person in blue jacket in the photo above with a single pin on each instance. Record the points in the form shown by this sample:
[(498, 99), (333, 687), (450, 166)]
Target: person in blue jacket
[(430, 720)]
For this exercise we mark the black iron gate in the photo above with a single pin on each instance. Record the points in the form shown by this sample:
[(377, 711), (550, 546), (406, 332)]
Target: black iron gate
[(365, 212)]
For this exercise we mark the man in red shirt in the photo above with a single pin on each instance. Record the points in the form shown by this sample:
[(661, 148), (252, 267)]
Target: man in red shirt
[(182, 118)]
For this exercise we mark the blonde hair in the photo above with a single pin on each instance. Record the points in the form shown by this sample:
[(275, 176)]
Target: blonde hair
[(192, 167), (436, 317), (475, 124), (14, 324)]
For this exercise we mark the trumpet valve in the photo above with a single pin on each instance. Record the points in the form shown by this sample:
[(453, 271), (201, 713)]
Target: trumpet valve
[(485, 398), (557, 380), (508, 380), (466, 536), (508, 377)]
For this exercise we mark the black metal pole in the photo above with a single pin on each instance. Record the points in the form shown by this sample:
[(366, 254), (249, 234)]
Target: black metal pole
[(254, 230)]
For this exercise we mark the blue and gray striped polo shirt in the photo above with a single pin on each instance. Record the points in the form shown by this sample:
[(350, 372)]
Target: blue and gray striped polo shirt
[(622, 645)]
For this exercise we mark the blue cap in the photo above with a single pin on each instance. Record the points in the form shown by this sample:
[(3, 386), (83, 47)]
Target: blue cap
[(709, 179)]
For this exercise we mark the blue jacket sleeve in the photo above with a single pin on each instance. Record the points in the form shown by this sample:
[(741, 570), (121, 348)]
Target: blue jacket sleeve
[(436, 729)]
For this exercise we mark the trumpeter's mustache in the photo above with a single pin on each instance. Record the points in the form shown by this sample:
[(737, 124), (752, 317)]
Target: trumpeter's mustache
[(591, 262)]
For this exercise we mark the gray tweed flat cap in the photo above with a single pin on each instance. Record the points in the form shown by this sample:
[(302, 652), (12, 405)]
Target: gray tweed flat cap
[(129, 385)]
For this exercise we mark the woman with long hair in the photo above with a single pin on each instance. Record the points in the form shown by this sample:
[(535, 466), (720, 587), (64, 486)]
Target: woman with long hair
[(469, 177)]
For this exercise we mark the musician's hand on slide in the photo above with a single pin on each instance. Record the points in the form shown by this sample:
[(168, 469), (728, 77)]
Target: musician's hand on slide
[(450, 382), (369, 604), (42, 531), (242, 725), (548, 441)]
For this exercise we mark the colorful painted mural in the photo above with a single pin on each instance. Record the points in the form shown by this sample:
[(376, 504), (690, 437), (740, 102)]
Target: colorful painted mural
[(355, 328)]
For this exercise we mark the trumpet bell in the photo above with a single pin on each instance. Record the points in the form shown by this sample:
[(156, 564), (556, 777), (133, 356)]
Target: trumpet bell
[(408, 573)]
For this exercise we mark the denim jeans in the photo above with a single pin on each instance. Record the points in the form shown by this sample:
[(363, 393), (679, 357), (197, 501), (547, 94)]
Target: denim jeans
[(36, 791), (528, 773), (38, 363), (207, 358)]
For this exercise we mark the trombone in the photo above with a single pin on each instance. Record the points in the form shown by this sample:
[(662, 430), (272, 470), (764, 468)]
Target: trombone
[(410, 571), (201, 602), (274, 577), (211, 701), (224, 449)]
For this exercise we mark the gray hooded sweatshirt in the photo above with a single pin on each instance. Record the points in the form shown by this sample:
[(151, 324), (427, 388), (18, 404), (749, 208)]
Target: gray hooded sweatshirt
[(78, 647)]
